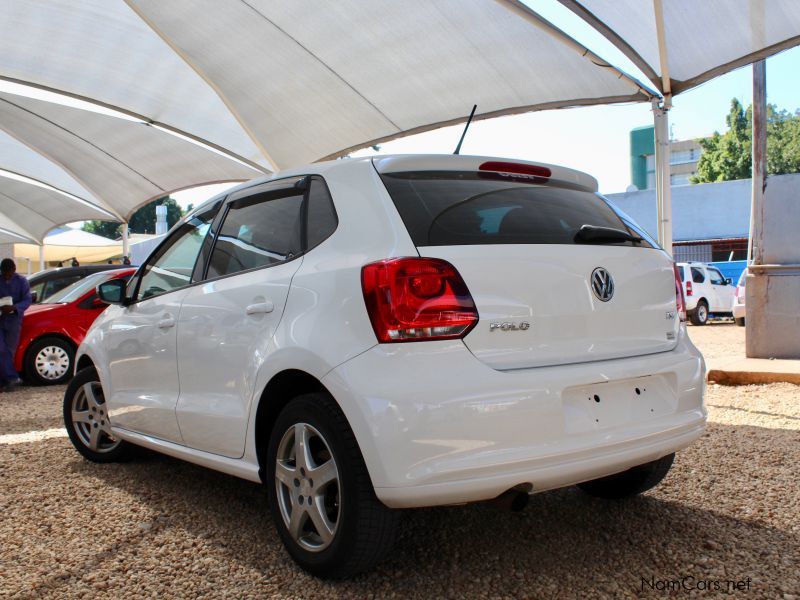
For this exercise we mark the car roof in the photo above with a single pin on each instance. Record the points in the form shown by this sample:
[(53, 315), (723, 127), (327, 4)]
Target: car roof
[(56, 272), (411, 162)]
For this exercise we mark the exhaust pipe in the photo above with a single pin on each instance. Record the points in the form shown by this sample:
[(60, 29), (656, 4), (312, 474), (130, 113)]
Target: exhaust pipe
[(514, 500)]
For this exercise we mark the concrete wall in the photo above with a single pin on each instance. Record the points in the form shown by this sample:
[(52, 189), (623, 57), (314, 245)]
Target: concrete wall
[(699, 212)]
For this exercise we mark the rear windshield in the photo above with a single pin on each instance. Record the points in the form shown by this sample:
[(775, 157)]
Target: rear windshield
[(452, 208)]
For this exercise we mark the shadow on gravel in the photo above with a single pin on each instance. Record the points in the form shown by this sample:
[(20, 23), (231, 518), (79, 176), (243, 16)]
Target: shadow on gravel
[(564, 543)]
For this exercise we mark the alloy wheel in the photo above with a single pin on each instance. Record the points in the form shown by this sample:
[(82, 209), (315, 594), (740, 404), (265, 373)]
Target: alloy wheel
[(307, 487), (90, 418)]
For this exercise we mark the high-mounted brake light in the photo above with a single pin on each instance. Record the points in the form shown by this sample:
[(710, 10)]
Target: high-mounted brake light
[(417, 299), (680, 301), (515, 171)]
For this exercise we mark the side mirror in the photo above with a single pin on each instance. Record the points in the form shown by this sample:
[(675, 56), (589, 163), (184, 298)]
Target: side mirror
[(728, 281), (113, 292), (34, 297)]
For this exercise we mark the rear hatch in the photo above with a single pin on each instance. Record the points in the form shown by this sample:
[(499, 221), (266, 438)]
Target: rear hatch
[(545, 294)]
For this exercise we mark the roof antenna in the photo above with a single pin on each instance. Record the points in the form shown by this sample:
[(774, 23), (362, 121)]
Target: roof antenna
[(461, 141)]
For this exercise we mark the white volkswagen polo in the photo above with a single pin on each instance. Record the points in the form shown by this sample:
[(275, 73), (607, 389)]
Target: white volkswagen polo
[(372, 334)]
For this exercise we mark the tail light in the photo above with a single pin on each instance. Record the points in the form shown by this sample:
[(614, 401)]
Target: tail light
[(417, 299), (680, 301)]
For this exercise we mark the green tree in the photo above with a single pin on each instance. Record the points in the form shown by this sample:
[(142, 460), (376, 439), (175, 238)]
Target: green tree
[(142, 221), (729, 156)]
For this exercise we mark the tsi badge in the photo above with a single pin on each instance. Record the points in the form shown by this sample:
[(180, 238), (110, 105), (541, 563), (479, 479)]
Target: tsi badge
[(509, 326)]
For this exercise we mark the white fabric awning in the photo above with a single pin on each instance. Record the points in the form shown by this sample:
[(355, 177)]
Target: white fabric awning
[(73, 243), (680, 44), (311, 80), (100, 50), (126, 163)]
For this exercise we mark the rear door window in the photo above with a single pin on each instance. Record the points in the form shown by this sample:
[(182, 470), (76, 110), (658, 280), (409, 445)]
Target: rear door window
[(447, 208), (258, 231), (697, 275)]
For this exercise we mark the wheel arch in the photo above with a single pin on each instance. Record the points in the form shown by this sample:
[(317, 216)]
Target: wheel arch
[(84, 361), (279, 391)]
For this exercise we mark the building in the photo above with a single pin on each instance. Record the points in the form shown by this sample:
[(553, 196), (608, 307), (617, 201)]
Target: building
[(711, 221), (682, 161)]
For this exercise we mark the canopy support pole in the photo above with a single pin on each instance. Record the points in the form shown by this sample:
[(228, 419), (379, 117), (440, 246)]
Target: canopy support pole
[(755, 250), (755, 321), (126, 250), (663, 191), (41, 257)]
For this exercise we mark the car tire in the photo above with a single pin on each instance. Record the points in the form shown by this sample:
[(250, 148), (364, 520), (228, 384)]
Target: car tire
[(49, 361), (341, 528), (739, 321), (86, 420), (699, 315), (631, 482)]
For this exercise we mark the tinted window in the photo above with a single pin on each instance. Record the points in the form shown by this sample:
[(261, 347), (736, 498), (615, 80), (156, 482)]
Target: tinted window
[(259, 232), (321, 214), (56, 285), (459, 208), (683, 276), (715, 276), (697, 275), (171, 267), (77, 289)]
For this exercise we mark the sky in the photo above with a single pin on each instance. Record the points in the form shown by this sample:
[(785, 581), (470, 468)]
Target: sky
[(591, 139)]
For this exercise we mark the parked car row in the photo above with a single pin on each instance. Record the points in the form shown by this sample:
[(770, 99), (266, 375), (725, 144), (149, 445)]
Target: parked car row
[(708, 292)]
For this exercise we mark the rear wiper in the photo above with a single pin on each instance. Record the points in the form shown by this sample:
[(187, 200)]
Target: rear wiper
[(592, 234)]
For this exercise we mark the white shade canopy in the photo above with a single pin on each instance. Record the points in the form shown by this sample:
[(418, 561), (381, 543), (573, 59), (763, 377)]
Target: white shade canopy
[(71, 243), (126, 163), (680, 44), (11, 232), (310, 80), (100, 50)]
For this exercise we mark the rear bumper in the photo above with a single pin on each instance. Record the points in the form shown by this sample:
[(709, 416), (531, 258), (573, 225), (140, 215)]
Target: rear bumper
[(436, 426), (738, 310)]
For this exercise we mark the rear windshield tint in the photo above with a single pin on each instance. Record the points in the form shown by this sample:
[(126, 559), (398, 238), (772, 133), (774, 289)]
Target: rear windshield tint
[(453, 208)]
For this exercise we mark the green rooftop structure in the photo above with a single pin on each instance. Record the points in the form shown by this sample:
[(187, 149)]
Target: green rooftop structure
[(643, 149)]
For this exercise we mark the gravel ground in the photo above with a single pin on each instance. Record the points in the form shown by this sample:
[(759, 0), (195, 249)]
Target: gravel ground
[(718, 339), (158, 527)]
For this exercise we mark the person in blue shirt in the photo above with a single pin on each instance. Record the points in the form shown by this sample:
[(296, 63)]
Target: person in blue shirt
[(16, 287)]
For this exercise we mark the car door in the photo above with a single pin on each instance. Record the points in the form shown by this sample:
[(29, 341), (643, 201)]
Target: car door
[(227, 323), (723, 293), (142, 340)]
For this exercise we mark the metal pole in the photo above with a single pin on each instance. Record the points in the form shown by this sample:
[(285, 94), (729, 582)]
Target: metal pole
[(663, 191), (759, 337), (755, 250), (125, 242), (41, 257)]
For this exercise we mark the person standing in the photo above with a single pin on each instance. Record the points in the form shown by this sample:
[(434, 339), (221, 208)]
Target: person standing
[(16, 288)]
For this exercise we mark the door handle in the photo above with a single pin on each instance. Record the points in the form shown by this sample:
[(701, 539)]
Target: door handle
[(166, 323), (260, 308)]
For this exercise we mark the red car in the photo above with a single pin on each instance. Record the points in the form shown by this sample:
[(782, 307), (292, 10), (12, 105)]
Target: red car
[(52, 331)]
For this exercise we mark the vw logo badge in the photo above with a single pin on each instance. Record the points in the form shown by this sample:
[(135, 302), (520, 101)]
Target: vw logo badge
[(602, 284)]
